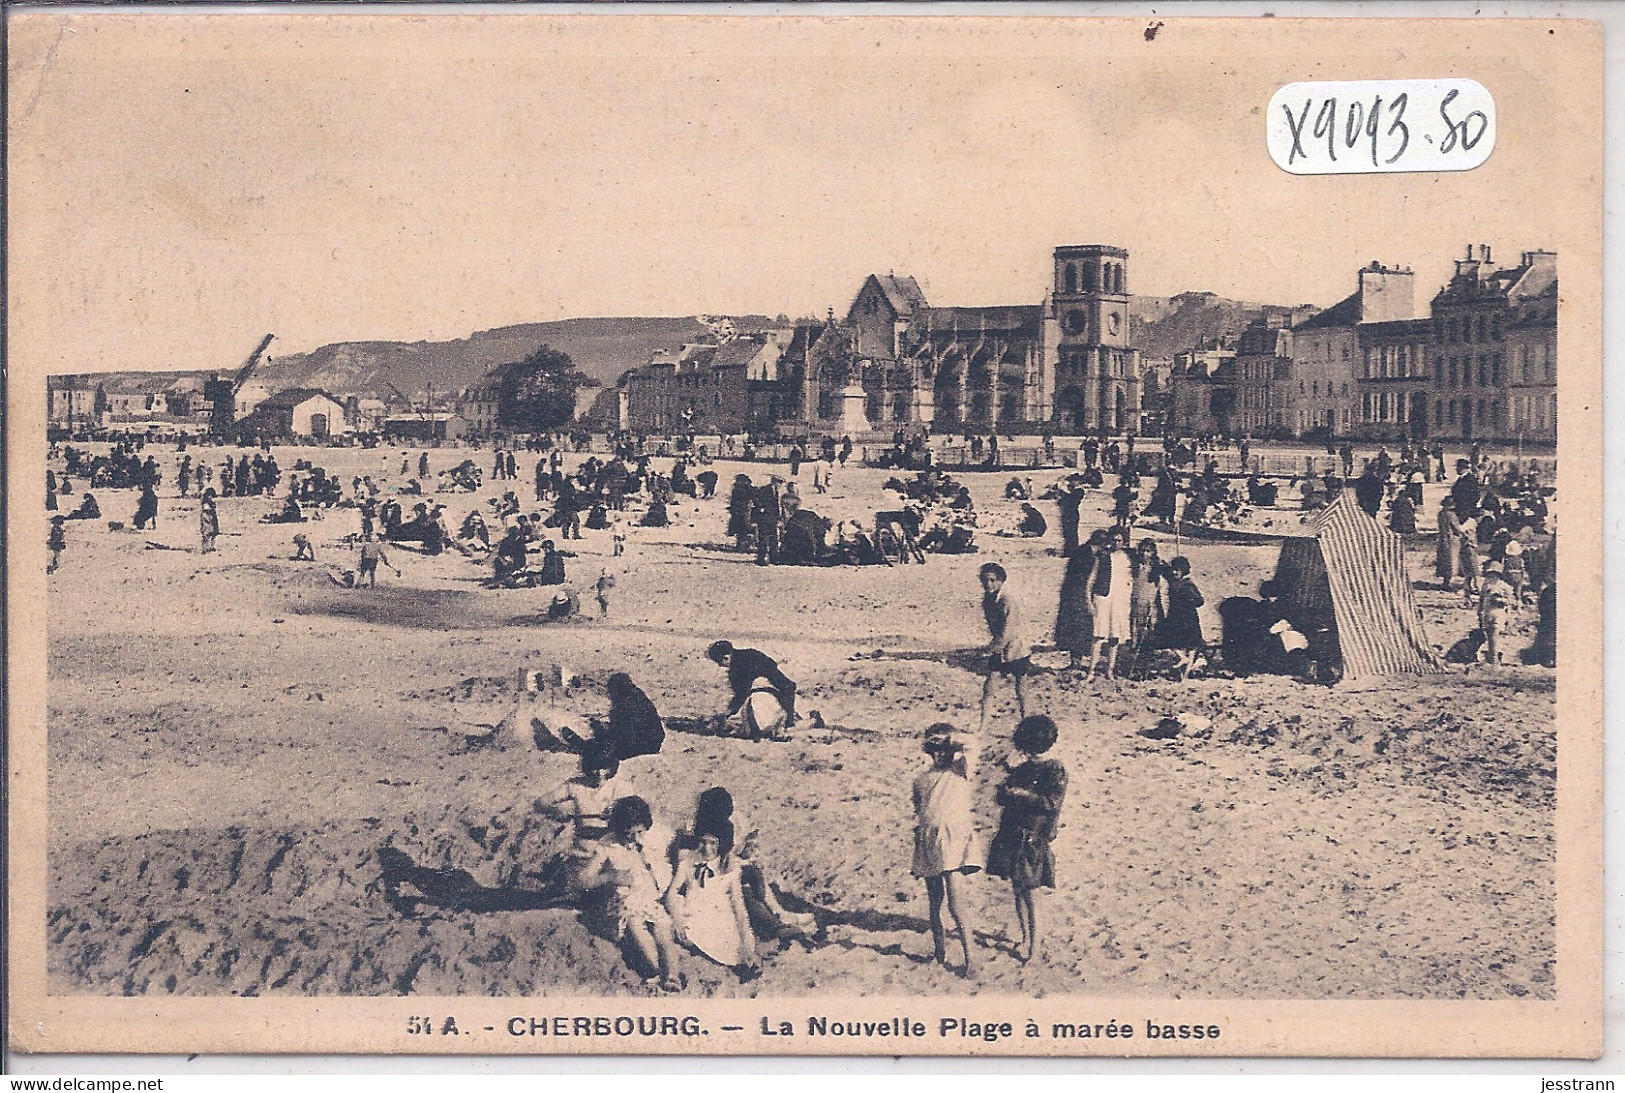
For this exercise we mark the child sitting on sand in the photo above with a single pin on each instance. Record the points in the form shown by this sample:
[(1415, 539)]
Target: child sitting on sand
[(945, 836), (769, 918), (1031, 797), (633, 864), (583, 805), (707, 905)]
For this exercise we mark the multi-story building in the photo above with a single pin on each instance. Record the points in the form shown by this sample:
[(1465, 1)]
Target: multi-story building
[(1203, 391), (479, 405), (1324, 378), (705, 387), (74, 402), (1265, 402), (1494, 349), (1531, 366), (1395, 379)]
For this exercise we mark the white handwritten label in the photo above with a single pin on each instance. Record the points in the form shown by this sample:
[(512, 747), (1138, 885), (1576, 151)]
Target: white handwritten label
[(1367, 126)]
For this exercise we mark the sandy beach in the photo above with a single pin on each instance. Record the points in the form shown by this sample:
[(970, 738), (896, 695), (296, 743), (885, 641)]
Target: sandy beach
[(233, 738)]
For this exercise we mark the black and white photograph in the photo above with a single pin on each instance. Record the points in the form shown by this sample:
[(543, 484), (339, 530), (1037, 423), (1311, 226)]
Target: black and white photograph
[(537, 533)]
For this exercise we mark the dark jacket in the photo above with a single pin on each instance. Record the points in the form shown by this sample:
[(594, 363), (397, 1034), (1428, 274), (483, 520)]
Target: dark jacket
[(746, 666), (634, 724)]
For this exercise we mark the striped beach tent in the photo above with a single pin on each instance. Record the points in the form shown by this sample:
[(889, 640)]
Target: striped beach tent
[(1349, 577)]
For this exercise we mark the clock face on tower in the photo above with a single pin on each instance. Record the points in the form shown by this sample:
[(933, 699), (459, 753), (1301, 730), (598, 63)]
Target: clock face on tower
[(1113, 321), (1074, 322)]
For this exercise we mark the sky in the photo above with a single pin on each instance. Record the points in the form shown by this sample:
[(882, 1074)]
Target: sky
[(182, 184)]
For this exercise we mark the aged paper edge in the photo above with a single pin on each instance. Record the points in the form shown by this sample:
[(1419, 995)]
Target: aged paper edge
[(1570, 1027)]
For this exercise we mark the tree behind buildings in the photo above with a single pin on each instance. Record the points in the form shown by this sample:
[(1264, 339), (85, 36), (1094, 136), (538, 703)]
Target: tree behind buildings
[(538, 394)]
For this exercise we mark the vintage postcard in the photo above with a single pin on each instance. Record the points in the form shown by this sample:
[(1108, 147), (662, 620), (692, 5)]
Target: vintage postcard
[(535, 533)]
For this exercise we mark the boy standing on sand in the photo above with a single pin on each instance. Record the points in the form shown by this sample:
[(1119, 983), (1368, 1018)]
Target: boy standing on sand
[(372, 552), (1010, 651), (56, 541)]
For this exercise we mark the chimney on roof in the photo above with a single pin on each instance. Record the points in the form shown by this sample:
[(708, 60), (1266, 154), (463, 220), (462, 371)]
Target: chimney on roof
[(1484, 253), (1386, 294)]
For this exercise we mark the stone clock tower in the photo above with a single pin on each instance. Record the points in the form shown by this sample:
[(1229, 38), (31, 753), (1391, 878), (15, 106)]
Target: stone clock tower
[(1097, 381)]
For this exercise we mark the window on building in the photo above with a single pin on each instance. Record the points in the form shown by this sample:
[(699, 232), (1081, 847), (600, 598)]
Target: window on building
[(1071, 277), (1452, 371), (1495, 370), (1316, 388), (1483, 372), (1495, 327), (1481, 328), (1450, 335), (1452, 411), (1438, 413)]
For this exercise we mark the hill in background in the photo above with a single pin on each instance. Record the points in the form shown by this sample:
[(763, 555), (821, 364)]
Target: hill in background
[(1161, 326), (604, 348), (601, 348)]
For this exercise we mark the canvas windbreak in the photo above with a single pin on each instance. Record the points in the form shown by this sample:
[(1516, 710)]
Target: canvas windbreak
[(1350, 578)]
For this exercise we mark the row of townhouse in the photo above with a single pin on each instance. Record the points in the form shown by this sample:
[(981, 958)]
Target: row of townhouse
[(1481, 365)]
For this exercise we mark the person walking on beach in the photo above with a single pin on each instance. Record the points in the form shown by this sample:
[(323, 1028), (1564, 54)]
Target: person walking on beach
[(1009, 652), (208, 520), (1031, 798), (945, 838)]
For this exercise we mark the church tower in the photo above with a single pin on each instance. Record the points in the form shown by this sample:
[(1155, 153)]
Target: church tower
[(1096, 385)]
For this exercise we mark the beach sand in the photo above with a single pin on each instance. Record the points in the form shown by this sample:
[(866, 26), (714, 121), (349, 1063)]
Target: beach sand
[(233, 739)]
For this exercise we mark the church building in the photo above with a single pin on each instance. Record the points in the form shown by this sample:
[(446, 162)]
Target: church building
[(1066, 363)]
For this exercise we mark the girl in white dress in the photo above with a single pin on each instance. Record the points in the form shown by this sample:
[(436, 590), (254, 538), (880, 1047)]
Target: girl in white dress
[(1111, 588), (945, 844), (633, 863), (707, 905)]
